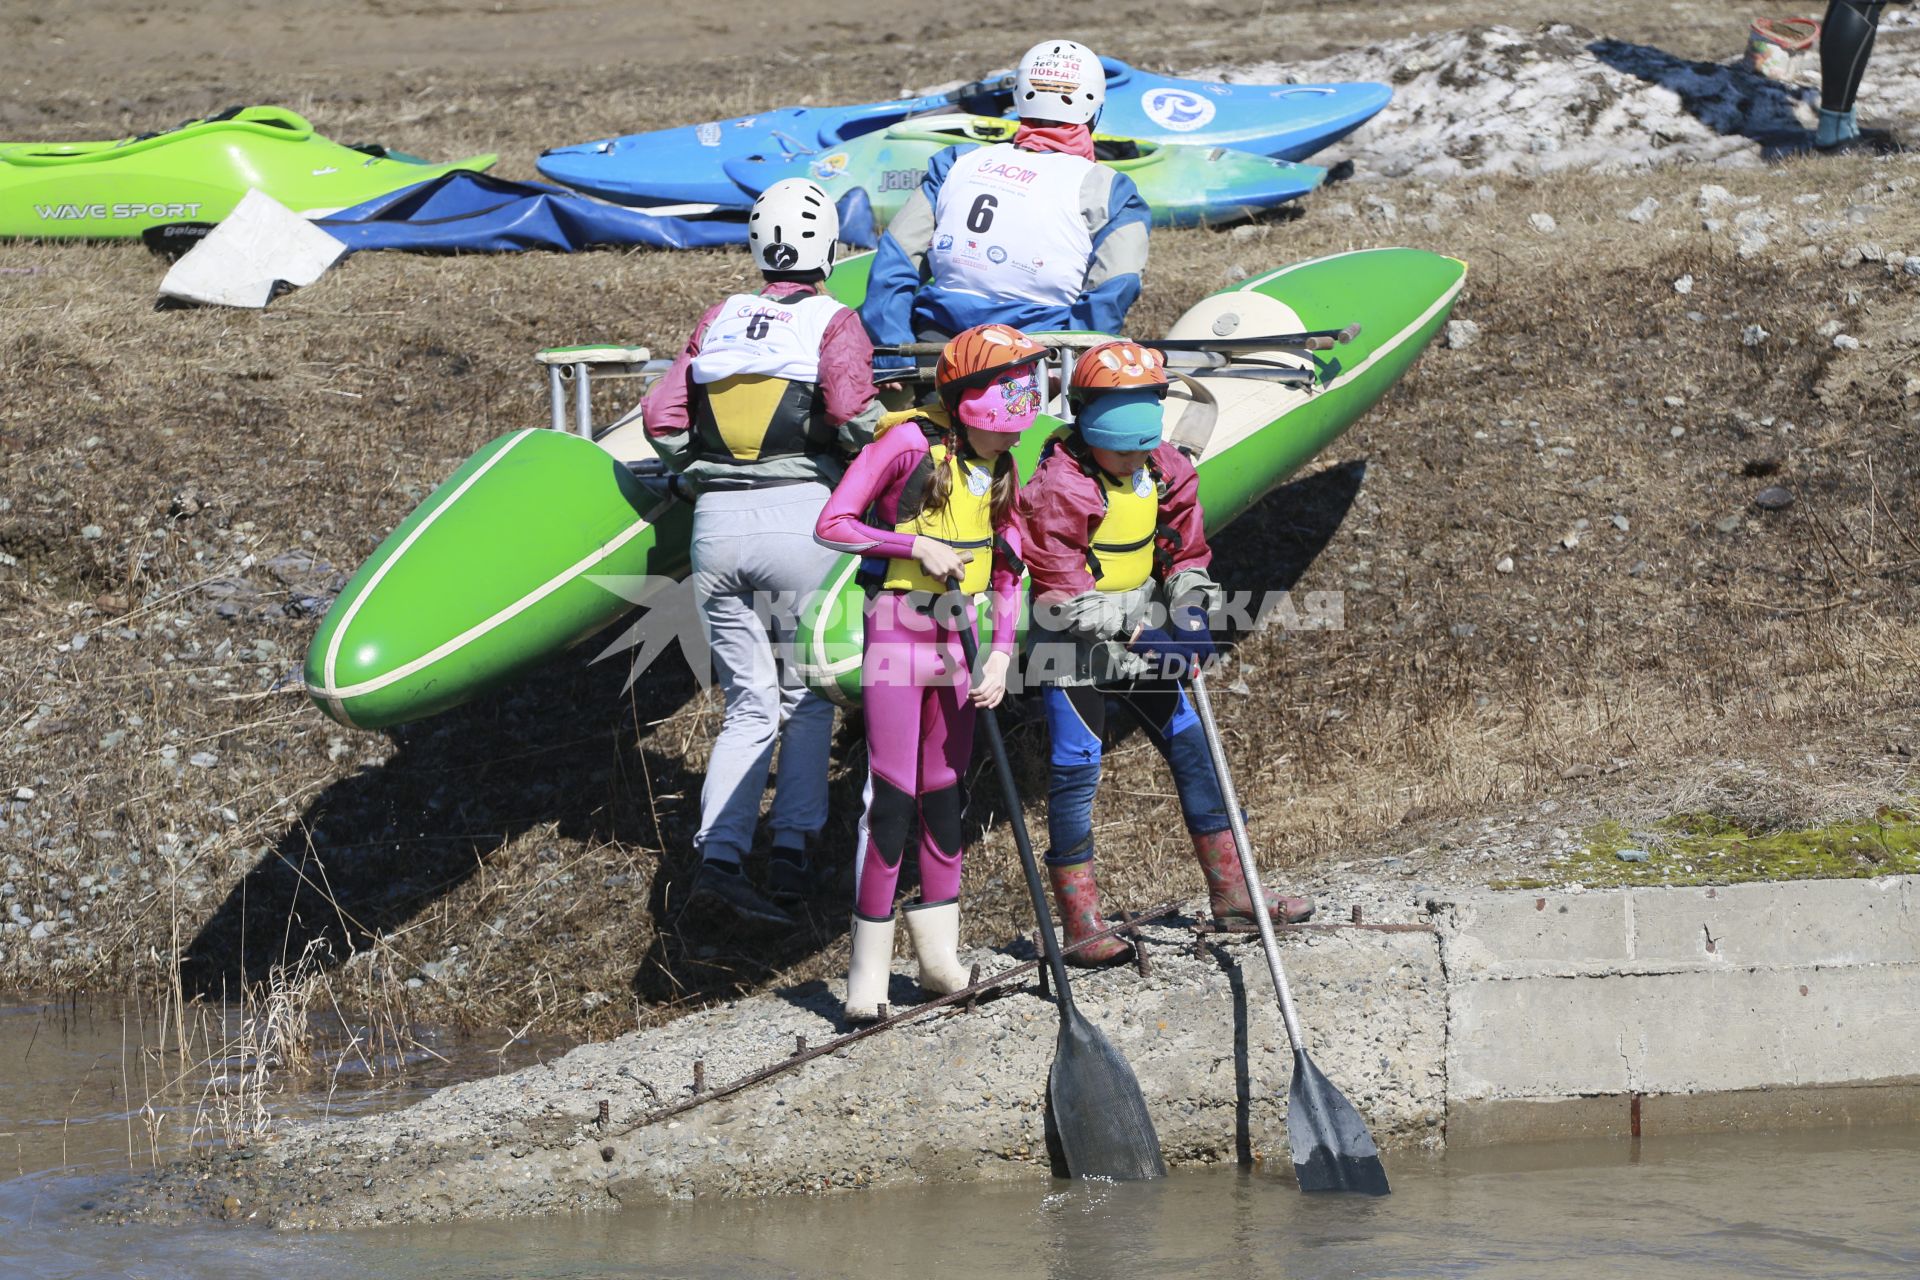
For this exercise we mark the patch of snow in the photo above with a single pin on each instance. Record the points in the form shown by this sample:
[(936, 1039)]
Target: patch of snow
[(1642, 212), (1494, 99)]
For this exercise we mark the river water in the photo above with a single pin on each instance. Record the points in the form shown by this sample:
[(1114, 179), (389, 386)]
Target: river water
[(1836, 1203)]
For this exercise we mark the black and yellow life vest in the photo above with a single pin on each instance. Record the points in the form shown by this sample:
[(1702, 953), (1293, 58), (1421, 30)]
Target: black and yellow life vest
[(1130, 541), (753, 388), (753, 417)]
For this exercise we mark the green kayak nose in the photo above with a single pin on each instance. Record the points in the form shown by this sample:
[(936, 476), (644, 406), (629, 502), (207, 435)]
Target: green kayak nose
[(195, 173)]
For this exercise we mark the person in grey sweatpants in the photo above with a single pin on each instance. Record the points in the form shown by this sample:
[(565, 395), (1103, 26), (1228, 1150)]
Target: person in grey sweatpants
[(758, 415), (754, 558)]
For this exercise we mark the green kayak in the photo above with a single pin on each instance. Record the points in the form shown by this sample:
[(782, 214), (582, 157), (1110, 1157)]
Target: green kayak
[(196, 173), (496, 571), (1183, 186)]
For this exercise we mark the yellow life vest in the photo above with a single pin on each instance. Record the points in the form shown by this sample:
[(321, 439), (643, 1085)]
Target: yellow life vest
[(965, 523), (753, 417), (1121, 557)]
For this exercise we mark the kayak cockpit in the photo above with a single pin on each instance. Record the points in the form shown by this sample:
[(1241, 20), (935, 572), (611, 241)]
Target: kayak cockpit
[(857, 122), (950, 129)]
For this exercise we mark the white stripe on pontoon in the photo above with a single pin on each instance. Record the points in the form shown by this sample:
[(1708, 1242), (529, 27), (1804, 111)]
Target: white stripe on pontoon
[(818, 643), (505, 615), (1250, 428), (328, 691)]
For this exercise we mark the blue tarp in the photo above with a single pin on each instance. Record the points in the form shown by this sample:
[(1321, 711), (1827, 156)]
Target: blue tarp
[(475, 212)]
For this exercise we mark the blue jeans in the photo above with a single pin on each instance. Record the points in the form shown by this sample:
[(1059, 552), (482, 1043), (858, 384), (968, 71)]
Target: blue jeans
[(1076, 721)]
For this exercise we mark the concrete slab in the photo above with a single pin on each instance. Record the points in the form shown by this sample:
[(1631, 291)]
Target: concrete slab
[(1499, 935), (1527, 1015), (1683, 1032), (1490, 935), (1809, 922)]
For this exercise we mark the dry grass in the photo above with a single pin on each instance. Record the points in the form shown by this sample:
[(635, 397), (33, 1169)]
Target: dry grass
[(224, 1073), (238, 466)]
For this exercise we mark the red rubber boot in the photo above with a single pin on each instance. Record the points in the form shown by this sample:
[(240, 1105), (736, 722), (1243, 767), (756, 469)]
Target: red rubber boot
[(1078, 897), (1219, 858)]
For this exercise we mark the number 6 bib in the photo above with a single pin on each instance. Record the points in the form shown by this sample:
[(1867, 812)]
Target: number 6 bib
[(1008, 225)]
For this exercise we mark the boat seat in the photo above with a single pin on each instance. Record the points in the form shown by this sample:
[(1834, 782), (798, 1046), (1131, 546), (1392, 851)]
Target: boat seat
[(579, 365), (1190, 414), (627, 440)]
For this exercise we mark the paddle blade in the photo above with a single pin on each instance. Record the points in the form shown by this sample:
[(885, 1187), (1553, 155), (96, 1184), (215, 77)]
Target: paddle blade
[(1098, 1112), (1332, 1150)]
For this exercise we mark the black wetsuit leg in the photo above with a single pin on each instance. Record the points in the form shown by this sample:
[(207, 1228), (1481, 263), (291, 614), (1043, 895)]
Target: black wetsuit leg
[(1846, 42)]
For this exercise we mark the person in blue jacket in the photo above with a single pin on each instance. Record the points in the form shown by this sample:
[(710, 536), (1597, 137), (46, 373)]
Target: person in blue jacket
[(1031, 233)]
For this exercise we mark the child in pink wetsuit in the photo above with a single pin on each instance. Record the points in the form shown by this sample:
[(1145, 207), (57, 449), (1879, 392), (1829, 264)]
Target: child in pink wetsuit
[(931, 500)]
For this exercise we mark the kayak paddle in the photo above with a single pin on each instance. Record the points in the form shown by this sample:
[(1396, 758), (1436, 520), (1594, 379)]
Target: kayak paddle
[(1098, 1111), (1332, 1150), (1310, 340)]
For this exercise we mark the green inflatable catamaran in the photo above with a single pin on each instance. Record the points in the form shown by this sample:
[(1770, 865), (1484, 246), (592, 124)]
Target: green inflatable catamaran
[(504, 565)]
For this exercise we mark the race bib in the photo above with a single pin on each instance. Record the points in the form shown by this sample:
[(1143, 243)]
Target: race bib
[(1008, 225), (778, 338)]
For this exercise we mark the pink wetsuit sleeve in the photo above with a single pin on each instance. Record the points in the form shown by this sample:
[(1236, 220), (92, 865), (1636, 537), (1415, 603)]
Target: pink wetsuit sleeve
[(846, 368), (879, 469), (1004, 587), (1180, 511), (1059, 508), (664, 411)]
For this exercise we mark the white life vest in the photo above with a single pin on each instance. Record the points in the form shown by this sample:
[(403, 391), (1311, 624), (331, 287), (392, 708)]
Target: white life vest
[(1008, 225)]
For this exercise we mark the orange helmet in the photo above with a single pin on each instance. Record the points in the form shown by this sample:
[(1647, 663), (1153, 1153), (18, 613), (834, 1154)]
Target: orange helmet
[(1119, 366), (974, 357)]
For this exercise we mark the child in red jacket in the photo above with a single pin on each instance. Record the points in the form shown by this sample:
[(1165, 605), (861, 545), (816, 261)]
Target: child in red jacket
[(1111, 520)]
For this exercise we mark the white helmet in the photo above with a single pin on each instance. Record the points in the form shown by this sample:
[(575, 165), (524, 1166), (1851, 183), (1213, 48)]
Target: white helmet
[(1060, 80), (793, 227)]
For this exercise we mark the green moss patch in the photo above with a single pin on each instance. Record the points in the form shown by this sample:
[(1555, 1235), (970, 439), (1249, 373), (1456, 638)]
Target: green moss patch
[(1708, 848)]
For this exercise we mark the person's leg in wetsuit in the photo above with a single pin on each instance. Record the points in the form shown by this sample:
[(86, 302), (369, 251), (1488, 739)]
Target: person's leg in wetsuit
[(1846, 42)]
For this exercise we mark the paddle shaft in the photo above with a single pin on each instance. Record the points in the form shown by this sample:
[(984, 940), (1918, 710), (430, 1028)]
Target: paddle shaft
[(1056, 964), (1257, 892), (1311, 339)]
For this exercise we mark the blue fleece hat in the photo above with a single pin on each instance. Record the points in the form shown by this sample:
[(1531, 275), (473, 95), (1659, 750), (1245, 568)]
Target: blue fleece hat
[(1122, 421)]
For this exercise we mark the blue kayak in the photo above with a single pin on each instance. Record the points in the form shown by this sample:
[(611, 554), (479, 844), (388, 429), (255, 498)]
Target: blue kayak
[(687, 165), (1183, 186)]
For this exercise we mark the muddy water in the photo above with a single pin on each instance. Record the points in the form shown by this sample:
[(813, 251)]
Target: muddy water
[(96, 1088), (1825, 1204)]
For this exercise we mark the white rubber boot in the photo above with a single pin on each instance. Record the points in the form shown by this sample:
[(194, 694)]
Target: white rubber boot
[(871, 968), (935, 930)]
